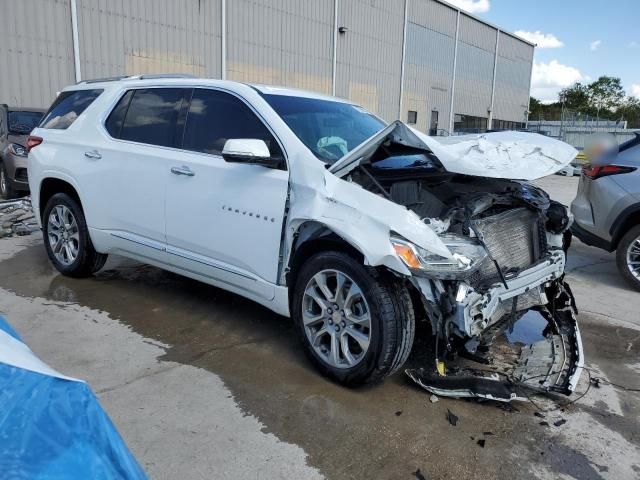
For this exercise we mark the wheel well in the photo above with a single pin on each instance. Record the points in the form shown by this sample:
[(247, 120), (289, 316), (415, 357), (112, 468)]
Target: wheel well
[(50, 186), (630, 221), (314, 238)]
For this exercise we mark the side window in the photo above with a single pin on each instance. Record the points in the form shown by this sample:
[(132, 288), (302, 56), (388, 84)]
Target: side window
[(67, 107), (152, 116), (214, 117), (116, 118)]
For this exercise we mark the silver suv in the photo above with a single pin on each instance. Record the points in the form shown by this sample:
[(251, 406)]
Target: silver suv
[(607, 207)]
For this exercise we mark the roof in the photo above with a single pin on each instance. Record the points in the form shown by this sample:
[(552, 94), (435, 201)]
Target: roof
[(475, 17), (190, 80)]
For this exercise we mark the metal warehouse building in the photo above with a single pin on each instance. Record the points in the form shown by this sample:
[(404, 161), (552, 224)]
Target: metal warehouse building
[(423, 61)]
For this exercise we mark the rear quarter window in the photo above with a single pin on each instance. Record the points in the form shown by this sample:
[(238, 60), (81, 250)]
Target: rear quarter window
[(67, 108)]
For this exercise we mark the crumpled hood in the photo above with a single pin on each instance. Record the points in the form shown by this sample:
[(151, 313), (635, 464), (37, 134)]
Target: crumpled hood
[(509, 155)]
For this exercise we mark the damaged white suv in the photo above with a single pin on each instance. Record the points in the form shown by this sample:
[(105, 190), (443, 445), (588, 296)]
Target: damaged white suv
[(320, 211)]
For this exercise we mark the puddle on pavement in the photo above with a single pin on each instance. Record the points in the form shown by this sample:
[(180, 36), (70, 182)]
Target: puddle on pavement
[(258, 356), (528, 328)]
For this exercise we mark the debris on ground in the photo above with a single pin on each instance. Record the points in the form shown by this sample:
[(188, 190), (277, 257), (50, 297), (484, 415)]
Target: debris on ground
[(452, 418), (481, 442), (560, 422), (398, 413), (419, 476), (539, 414), (487, 434), (16, 218), (544, 424), (433, 398)]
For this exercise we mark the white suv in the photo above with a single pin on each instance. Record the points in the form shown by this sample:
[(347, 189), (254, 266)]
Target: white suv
[(320, 211)]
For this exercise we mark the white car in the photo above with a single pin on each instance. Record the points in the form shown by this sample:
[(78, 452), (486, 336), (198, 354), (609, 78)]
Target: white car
[(318, 210)]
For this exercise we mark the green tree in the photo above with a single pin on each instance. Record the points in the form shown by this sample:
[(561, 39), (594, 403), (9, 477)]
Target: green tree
[(606, 93), (630, 111), (576, 97)]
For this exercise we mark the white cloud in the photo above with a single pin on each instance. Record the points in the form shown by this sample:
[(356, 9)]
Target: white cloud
[(548, 79), (633, 44), (542, 40), (593, 46), (635, 90), (472, 6)]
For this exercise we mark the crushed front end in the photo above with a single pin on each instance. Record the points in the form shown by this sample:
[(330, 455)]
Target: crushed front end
[(505, 274), (514, 282)]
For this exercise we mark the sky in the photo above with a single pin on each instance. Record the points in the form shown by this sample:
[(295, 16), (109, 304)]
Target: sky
[(577, 40)]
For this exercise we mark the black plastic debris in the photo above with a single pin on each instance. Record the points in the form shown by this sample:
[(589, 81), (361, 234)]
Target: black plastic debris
[(398, 413), (481, 442), (452, 418), (544, 424), (419, 476), (487, 434), (539, 414), (560, 422)]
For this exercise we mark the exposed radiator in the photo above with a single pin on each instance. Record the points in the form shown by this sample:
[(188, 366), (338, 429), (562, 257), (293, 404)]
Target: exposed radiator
[(513, 238)]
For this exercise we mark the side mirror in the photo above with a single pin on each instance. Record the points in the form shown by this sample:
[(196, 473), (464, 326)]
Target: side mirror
[(249, 150)]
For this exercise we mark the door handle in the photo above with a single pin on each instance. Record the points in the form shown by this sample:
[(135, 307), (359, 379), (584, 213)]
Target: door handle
[(93, 154), (183, 170)]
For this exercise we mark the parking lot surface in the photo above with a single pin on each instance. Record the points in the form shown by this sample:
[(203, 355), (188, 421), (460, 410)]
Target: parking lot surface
[(202, 383)]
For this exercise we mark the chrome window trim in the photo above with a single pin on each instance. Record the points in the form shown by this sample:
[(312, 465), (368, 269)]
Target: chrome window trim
[(104, 116)]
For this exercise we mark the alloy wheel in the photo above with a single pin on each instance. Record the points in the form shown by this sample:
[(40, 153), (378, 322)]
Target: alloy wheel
[(633, 258), (337, 318), (63, 234)]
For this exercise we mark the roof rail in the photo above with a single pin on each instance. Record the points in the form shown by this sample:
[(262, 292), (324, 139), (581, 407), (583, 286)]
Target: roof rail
[(138, 77), (106, 79), (164, 75)]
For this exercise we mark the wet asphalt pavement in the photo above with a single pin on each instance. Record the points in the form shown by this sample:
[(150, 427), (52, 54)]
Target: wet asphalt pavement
[(126, 328)]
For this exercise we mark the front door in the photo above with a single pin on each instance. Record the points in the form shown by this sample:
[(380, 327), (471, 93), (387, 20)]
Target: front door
[(224, 220)]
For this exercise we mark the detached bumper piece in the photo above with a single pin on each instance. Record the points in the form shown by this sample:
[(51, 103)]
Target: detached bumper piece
[(538, 352)]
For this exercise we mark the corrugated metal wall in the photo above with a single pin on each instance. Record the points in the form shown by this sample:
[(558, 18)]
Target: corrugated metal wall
[(370, 54), (149, 36), (36, 54), (282, 42), (513, 76), (474, 68), (431, 31)]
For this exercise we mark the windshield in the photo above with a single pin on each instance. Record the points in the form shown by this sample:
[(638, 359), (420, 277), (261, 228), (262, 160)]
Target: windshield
[(23, 122), (329, 129)]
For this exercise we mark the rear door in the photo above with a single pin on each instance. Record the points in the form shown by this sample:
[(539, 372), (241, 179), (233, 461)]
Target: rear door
[(129, 171), (224, 220)]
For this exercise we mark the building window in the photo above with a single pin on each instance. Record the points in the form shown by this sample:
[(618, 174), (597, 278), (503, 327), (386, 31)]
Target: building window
[(412, 117), (507, 125), (469, 124)]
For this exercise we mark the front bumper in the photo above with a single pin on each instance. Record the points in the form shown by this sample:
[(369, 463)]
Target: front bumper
[(508, 369), (476, 311), (17, 172)]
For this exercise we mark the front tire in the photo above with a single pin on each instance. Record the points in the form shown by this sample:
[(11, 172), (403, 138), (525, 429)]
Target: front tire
[(66, 238), (628, 257), (356, 325)]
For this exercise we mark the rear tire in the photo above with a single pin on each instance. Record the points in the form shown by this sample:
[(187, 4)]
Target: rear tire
[(6, 187), (629, 251), (67, 240), (384, 300)]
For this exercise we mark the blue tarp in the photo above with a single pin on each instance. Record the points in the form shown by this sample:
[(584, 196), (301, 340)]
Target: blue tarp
[(54, 428)]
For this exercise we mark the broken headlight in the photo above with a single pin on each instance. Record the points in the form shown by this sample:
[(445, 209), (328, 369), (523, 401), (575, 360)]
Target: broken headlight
[(466, 255)]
